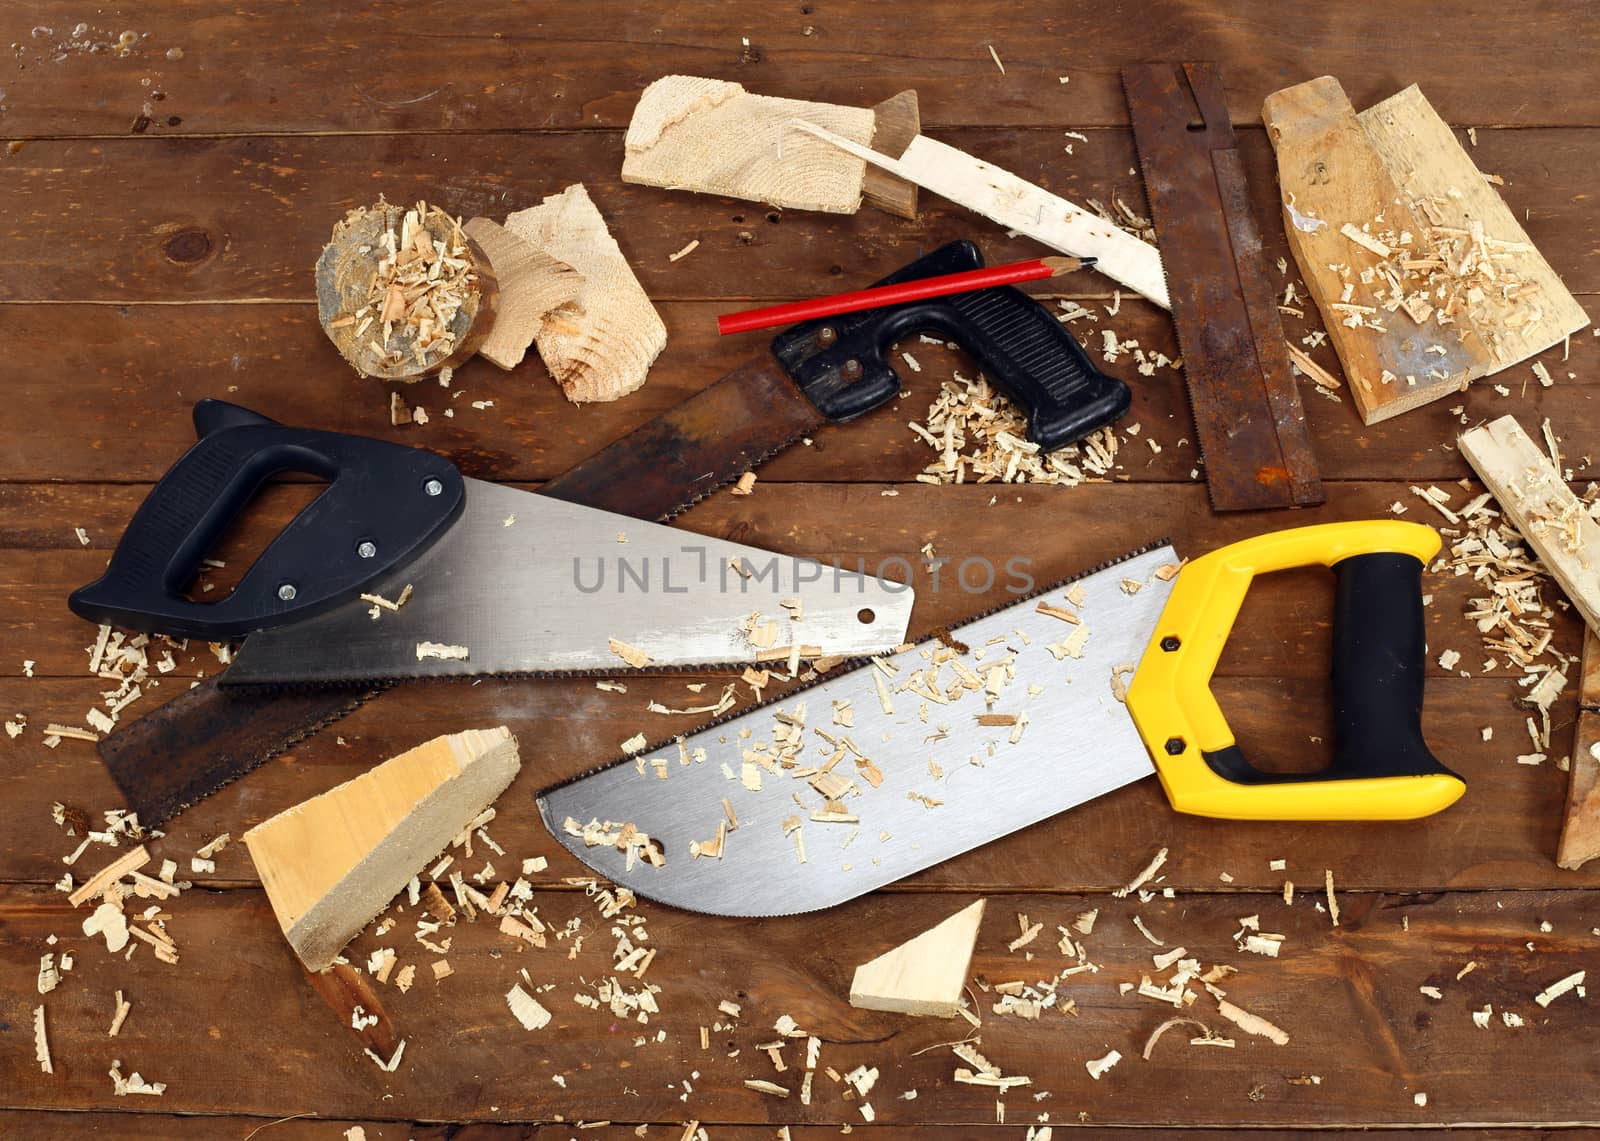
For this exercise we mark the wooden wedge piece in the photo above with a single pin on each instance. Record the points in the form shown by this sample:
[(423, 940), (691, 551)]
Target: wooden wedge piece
[(531, 284), (1553, 520), (924, 975), (600, 345), (333, 862), (1580, 832), (714, 137), (896, 122)]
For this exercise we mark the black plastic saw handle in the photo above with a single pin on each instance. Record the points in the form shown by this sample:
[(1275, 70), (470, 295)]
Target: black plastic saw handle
[(841, 363), (385, 503), (1380, 654)]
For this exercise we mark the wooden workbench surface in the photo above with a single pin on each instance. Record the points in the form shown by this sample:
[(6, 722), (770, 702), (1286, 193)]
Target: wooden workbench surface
[(164, 203)]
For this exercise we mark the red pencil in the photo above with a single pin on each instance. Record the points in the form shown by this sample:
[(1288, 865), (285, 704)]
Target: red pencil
[(963, 282)]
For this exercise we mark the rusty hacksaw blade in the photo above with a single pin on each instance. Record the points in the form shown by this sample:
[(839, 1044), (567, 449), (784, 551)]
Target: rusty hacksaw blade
[(1247, 412)]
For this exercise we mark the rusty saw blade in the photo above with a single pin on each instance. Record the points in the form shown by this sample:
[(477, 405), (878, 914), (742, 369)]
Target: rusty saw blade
[(1248, 417)]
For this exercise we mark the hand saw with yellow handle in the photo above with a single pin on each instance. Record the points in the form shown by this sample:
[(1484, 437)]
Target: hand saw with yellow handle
[(864, 778)]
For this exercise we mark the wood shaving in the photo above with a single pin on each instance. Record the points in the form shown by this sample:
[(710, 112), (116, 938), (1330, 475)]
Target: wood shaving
[(410, 294), (41, 1041), (441, 652), (634, 656), (1561, 986), (1145, 876), (1251, 1023), (527, 1009), (1098, 1066)]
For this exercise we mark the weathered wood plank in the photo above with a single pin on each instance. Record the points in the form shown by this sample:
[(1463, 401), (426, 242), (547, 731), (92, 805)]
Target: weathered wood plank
[(507, 66), (148, 1124), (1502, 834), (1346, 996), (105, 393), (256, 211), (1281, 633), (49, 1125)]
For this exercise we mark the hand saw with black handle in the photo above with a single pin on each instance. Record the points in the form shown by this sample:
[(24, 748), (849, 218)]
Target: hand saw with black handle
[(821, 372)]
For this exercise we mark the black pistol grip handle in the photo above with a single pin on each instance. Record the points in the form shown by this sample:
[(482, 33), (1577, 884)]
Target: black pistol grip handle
[(841, 362), (1036, 361), (1378, 670), (1379, 665), (384, 504)]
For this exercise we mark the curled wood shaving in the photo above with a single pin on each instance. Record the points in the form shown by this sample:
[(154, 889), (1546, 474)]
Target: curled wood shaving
[(1251, 1023)]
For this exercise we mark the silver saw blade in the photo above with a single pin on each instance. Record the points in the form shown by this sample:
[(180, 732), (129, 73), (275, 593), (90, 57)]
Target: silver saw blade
[(530, 584), (1072, 741)]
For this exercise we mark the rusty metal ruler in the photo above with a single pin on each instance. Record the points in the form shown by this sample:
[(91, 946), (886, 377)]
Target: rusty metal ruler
[(1248, 417)]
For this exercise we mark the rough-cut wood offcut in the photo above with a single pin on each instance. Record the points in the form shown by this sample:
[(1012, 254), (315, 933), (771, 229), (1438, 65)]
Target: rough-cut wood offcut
[(1553, 520), (402, 292), (896, 121), (712, 136), (600, 345), (1424, 277), (333, 862), (1018, 205), (924, 975), (531, 284), (1580, 832)]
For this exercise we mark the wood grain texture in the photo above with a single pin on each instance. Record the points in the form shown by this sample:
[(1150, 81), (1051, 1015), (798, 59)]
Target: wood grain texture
[(123, 381), (1501, 835), (711, 136), (1285, 615), (1347, 997), (223, 174), (256, 211), (1384, 171), (507, 66)]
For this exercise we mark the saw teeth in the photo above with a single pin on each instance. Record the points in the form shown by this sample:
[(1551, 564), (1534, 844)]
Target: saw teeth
[(844, 666)]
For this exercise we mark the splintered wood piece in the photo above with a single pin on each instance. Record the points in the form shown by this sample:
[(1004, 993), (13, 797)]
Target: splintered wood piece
[(130, 861), (1580, 833), (600, 345), (531, 284), (1019, 205), (1461, 293), (1423, 154), (713, 137), (333, 862), (895, 122), (1554, 521), (924, 975)]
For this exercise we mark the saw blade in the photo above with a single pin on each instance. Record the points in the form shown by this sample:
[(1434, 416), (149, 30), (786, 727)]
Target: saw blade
[(708, 441), (524, 583), (863, 778), (1248, 417)]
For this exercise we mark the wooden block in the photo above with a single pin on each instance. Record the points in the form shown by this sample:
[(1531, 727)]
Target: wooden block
[(895, 122), (924, 975), (1580, 831), (1397, 170), (713, 137), (600, 345), (401, 309), (333, 862), (1019, 205), (531, 284), (1550, 517)]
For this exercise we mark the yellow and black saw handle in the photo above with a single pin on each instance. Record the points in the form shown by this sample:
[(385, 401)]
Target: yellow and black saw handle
[(1382, 769)]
